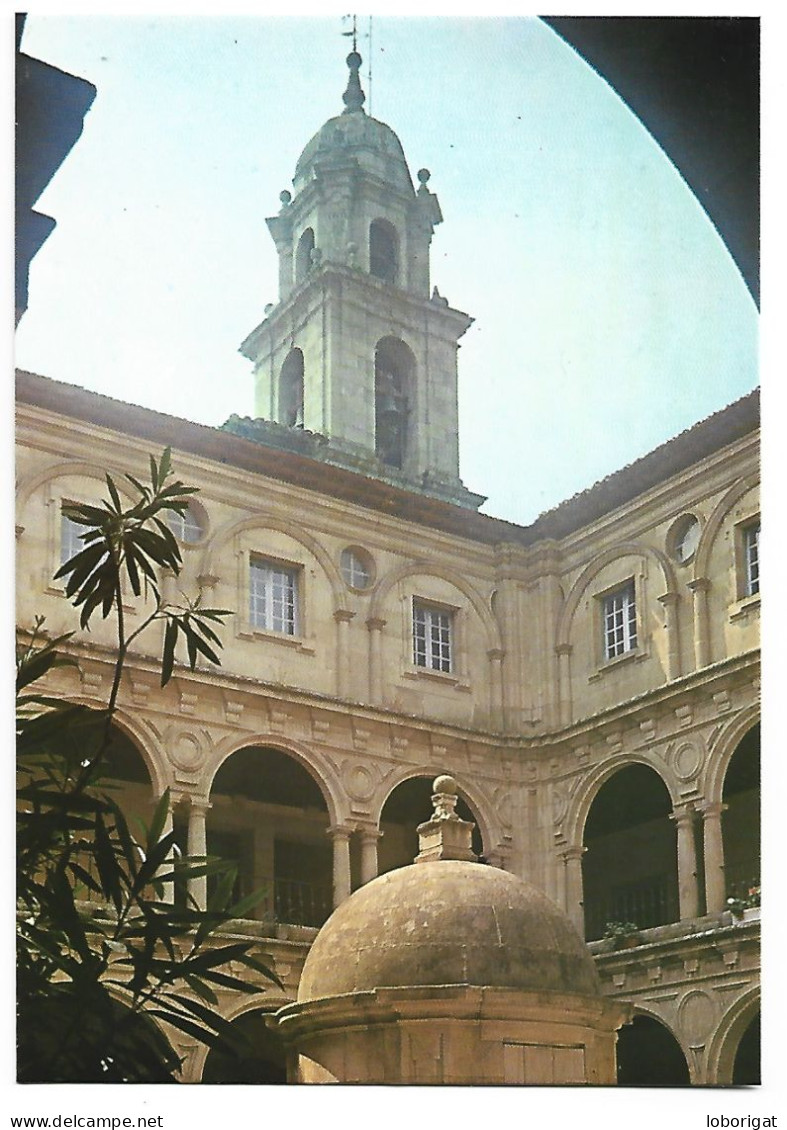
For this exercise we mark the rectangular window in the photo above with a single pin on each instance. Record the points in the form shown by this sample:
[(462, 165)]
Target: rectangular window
[(70, 538), (620, 622), (273, 597), (751, 551), (431, 637)]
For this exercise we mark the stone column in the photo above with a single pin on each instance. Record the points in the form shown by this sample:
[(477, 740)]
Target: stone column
[(574, 898), (713, 851), (369, 864), (563, 652), (700, 587), (495, 655), (340, 838), (342, 616), (688, 893), (375, 627), (169, 887), (198, 845), (670, 602)]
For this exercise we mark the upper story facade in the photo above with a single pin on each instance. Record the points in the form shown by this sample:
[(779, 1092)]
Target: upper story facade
[(366, 594)]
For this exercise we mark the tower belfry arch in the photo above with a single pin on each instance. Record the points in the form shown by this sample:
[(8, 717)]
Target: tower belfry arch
[(379, 346)]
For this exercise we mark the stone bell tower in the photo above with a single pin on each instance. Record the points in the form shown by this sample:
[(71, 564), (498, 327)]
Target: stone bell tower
[(358, 348)]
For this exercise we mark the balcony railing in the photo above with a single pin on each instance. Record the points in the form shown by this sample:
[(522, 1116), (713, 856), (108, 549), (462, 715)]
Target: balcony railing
[(649, 902), (300, 903)]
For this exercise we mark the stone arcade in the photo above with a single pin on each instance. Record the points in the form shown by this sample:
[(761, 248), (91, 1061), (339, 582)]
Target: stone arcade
[(589, 681)]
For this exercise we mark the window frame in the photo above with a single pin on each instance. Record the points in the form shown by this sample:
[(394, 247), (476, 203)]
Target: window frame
[(199, 523), (73, 538), (432, 646), (750, 544), (366, 563), (628, 612), (257, 564)]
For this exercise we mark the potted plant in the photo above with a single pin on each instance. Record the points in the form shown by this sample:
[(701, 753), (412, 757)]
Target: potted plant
[(746, 906), (622, 935)]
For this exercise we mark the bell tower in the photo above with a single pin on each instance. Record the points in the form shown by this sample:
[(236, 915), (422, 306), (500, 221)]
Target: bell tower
[(358, 348)]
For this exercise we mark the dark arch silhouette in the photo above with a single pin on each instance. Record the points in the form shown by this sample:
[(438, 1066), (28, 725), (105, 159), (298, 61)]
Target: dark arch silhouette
[(383, 251), (394, 369), (650, 1056), (630, 866), (303, 254), (694, 84), (741, 818), (746, 1067), (409, 805), (269, 817), (291, 390), (260, 1058)]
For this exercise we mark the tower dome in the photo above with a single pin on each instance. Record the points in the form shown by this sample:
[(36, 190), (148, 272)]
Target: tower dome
[(358, 139), (354, 137)]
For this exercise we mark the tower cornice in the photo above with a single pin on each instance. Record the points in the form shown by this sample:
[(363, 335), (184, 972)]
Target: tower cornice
[(357, 286)]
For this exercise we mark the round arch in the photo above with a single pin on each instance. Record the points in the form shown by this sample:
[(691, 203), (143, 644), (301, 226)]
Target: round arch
[(260, 522), (29, 486), (195, 1064), (588, 789), (383, 250), (304, 254), (424, 568), (726, 1039), (291, 389), (490, 831), (394, 388), (714, 523), (142, 738), (319, 770), (659, 1060), (629, 860), (723, 748), (614, 553)]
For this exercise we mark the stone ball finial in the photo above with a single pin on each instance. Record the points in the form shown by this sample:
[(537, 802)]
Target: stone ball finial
[(353, 96), (423, 176), (445, 784), (285, 196)]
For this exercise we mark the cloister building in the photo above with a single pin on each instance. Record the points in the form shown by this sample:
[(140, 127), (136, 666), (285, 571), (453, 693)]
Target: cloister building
[(590, 681)]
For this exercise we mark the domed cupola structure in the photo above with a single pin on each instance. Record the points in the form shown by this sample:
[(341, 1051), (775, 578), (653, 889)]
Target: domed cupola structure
[(449, 971), (359, 348), (354, 136)]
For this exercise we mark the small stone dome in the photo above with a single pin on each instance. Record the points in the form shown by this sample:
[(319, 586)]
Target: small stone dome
[(448, 922), (356, 136)]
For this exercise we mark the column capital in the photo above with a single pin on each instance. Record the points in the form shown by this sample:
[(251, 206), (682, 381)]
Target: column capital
[(198, 805), (682, 814), (563, 648), (343, 615), (699, 584), (496, 653), (710, 808), (575, 851), (339, 831), (375, 624), (668, 599), (369, 834)]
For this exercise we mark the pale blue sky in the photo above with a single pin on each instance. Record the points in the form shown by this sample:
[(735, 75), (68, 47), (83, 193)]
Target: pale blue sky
[(609, 315)]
